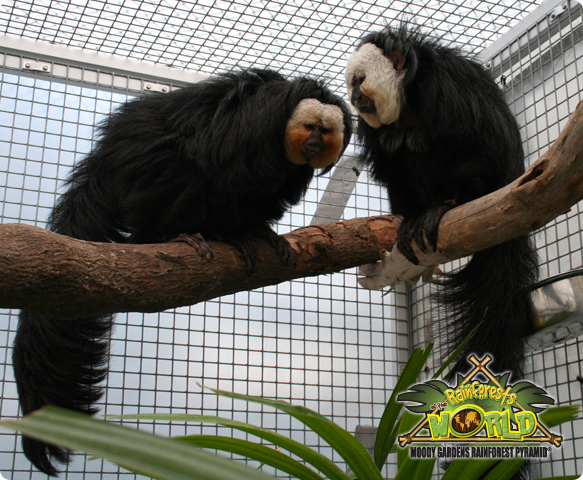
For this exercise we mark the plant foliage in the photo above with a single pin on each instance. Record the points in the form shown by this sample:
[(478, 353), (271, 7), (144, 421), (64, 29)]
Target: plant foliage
[(182, 458)]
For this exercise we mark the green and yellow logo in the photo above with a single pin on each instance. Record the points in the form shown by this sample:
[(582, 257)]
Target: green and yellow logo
[(482, 408)]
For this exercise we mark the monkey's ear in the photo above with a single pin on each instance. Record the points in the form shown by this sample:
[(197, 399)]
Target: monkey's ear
[(397, 59)]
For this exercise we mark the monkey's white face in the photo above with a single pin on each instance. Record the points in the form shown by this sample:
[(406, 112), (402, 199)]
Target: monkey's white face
[(314, 133), (374, 86)]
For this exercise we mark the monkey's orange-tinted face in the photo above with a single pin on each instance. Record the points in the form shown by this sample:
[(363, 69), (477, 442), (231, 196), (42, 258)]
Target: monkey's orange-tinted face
[(314, 134)]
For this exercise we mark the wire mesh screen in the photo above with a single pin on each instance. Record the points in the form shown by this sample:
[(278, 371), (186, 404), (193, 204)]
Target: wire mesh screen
[(541, 71), (291, 36), (321, 342)]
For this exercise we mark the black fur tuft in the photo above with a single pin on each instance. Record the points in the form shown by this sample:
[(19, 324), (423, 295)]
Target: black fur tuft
[(206, 159), (58, 362)]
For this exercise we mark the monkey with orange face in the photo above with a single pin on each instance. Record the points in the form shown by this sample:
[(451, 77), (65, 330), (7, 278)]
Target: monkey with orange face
[(222, 159)]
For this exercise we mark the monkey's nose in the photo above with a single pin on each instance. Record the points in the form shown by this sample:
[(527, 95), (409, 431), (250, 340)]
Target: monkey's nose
[(364, 104)]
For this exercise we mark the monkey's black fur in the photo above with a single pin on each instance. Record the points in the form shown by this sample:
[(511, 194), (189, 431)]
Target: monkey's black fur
[(456, 140), (206, 159)]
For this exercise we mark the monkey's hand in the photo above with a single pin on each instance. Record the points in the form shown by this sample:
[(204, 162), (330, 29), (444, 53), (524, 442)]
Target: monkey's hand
[(415, 228), (197, 242)]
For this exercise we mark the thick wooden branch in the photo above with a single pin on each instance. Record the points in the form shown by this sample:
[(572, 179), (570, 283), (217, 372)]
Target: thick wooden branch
[(67, 278)]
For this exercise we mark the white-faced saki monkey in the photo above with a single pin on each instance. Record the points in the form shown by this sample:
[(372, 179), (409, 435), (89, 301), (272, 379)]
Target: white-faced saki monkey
[(437, 132), (222, 159)]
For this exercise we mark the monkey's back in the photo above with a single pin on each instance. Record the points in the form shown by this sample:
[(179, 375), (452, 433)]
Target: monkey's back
[(456, 137), (206, 159)]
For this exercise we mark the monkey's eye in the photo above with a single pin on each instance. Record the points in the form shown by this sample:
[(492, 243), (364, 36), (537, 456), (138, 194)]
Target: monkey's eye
[(309, 126), (358, 80), (325, 131)]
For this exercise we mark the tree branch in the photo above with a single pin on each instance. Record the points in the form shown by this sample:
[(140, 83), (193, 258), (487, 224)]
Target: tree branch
[(68, 278)]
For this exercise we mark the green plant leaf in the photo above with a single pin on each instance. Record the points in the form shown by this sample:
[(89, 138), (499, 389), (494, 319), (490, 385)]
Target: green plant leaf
[(345, 444), (143, 453), (392, 439), (408, 421), (407, 467), (385, 440), (456, 352), (314, 458), (415, 469), (462, 468), (554, 416), (505, 469), (255, 451)]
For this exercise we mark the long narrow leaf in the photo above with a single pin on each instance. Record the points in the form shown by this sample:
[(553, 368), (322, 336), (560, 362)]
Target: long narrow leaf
[(255, 451), (505, 469), (345, 444), (461, 468), (140, 452), (317, 460), (417, 469), (554, 416), (407, 422), (385, 439), (392, 439)]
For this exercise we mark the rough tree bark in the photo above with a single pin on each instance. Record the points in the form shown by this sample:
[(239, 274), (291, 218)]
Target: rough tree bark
[(67, 278), (64, 277)]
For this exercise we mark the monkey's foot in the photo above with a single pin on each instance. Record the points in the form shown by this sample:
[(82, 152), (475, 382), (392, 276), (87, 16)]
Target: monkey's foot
[(248, 251), (197, 242), (394, 268), (421, 229), (284, 249)]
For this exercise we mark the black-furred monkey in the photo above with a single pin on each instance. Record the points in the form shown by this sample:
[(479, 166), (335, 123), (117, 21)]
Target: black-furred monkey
[(220, 159), (437, 132)]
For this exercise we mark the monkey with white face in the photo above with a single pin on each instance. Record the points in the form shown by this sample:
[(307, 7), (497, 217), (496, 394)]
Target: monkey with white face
[(436, 132), (224, 159)]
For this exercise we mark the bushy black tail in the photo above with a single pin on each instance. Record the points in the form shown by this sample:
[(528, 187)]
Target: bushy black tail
[(58, 362), (493, 289)]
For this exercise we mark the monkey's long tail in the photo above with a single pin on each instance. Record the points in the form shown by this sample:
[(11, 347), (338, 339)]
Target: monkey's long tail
[(493, 289), (58, 362)]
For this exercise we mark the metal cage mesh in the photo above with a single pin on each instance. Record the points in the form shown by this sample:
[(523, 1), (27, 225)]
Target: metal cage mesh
[(210, 36), (321, 342)]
